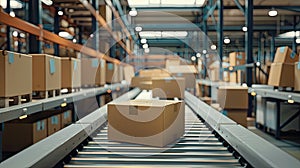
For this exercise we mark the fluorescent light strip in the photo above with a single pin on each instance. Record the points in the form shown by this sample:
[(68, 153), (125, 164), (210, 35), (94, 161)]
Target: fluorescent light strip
[(165, 3)]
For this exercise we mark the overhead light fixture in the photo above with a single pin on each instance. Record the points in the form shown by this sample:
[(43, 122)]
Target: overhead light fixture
[(193, 58), (60, 12), (226, 40), (74, 40), (65, 35), (91, 35), (213, 47), (138, 28), (244, 29), (14, 4), (22, 35), (15, 33), (146, 50), (12, 14), (204, 51), (71, 10), (163, 34), (145, 46), (298, 40), (143, 41), (133, 12), (198, 55), (290, 34), (273, 12), (47, 2), (166, 3)]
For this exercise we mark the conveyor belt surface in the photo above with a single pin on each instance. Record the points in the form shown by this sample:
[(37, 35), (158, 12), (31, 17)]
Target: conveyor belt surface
[(197, 148)]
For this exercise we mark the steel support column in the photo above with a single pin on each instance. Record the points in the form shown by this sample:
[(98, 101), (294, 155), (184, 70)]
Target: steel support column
[(205, 41), (8, 34), (259, 53), (294, 47), (80, 31), (272, 51), (248, 47), (220, 36), (1, 130), (35, 11), (95, 25), (56, 31)]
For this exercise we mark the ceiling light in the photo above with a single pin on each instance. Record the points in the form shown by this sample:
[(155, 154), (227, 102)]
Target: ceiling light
[(213, 47), (71, 10), (60, 12), (166, 3), (15, 33), (193, 58), (290, 34), (198, 55), (138, 28), (174, 34), (22, 35), (12, 14), (145, 46), (74, 40), (146, 50), (244, 29), (14, 4), (226, 40), (143, 41), (204, 51), (65, 34), (133, 12), (47, 2), (91, 35), (298, 40), (272, 12)]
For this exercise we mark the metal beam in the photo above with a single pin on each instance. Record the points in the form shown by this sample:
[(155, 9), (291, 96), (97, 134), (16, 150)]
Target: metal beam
[(8, 34), (95, 25), (290, 8), (220, 36), (169, 9), (35, 8), (238, 4), (56, 31)]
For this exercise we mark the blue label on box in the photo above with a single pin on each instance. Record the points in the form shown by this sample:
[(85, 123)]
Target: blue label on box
[(102, 63), (224, 112), (110, 66), (52, 65), (11, 57), (75, 65), (239, 57), (66, 115), (43, 125), (54, 120), (298, 65), (281, 49), (40, 125), (179, 74), (95, 63), (293, 55)]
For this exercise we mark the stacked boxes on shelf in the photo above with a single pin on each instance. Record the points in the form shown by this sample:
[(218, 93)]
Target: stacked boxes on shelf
[(282, 69), (168, 88), (92, 72), (15, 77), (112, 73), (71, 73), (235, 59), (186, 71), (234, 102)]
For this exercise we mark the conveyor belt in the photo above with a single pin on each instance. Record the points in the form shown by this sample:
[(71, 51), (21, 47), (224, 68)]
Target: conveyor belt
[(198, 148)]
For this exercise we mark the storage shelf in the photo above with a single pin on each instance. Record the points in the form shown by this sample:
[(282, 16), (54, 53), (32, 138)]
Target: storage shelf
[(14, 112), (212, 83), (276, 94)]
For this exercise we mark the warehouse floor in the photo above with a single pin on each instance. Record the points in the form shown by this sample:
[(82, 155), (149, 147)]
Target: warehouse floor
[(289, 142)]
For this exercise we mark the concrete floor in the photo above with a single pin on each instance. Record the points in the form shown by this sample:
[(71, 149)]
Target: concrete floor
[(289, 142)]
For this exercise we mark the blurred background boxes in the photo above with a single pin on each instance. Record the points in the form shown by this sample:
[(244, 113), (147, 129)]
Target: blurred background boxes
[(71, 73)]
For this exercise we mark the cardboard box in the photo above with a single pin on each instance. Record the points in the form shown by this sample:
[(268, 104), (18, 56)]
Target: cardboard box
[(172, 62), (15, 74), (237, 115), (187, 71), (168, 88), (112, 73), (128, 73), (281, 75), (285, 55), (66, 118), (149, 122), (233, 97), (206, 100), (46, 72), (17, 136), (297, 77), (71, 73), (233, 77), (121, 73), (137, 81), (54, 124), (91, 70), (154, 73), (214, 74), (237, 58)]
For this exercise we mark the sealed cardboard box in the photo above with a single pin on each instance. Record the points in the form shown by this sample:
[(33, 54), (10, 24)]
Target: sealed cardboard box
[(128, 73), (154, 73), (138, 80), (46, 72), (121, 73), (297, 77), (233, 97), (112, 73), (168, 88), (281, 75), (186, 71), (233, 77), (66, 118), (17, 136), (237, 58), (149, 122), (102, 68), (54, 124), (214, 74), (15, 74), (172, 62), (91, 71), (71, 73), (206, 100), (237, 115), (285, 55)]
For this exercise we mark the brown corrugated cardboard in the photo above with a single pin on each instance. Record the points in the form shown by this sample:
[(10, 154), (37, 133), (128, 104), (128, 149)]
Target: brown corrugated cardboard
[(190, 79), (17, 136), (168, 87), (128, 73), (121, 73), (183, 69), (148, 122), (46, 72), (237, 58), (172, 62), (281, 74), (15, 69), (154, 73), (112, 73), (137, 80), (239, 116), (206, 100), (214, 74), (285, 55), (66, 118), (233, 77), (93, 71), (186, 71), (297, 77), (54, 124), (71, 73), (233, 97)]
